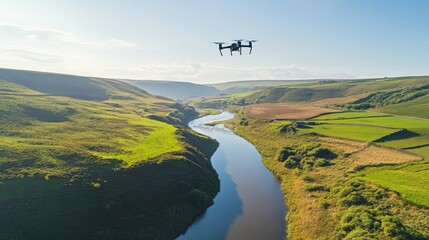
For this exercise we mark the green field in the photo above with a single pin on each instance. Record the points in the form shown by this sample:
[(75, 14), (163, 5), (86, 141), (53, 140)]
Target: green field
[(409, 180), (368, 126), (347, 115), (356, 132)]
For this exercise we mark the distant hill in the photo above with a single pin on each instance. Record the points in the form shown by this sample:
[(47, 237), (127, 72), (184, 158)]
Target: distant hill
[(249, 85), (408, 96), (175, 90), (333, 89)]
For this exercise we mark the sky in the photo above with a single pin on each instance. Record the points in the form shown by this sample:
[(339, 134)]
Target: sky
[(172, 40)]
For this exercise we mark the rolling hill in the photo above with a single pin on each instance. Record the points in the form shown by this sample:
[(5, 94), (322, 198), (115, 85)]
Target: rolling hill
[(250, 85), (333, 89), (90, 158), (175, 90)]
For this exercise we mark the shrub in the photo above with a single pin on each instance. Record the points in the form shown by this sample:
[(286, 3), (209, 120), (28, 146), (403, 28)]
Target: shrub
[(392, 227), (307, 178), (324, 203), (287, 129), (305, 149), (359, 218), (197, 197), (314, 187), (284, 154), (322, 152), (307, 162), (354, 198), (321, 162), (244, 122), (291, 162)]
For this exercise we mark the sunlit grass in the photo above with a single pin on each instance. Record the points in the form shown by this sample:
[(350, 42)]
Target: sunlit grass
[(409, 180)]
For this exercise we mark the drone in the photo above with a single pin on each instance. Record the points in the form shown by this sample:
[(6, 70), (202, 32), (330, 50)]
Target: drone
[(236, 46)]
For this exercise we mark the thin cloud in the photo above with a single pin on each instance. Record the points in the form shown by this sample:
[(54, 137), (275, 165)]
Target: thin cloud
[(30, 56), (55, 35), (198, 72)]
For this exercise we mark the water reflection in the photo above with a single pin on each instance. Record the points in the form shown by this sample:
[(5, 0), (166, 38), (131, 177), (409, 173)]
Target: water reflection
[(250, 204)]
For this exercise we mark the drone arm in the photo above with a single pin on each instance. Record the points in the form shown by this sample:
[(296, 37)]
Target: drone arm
[(220, 50)]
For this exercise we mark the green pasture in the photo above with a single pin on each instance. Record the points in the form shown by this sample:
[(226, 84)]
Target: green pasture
[(357, 125), (361, 133), (411, 181), (347, 115)]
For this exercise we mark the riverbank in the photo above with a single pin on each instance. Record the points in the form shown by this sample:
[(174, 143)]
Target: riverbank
[(250, 203), (323, 201)]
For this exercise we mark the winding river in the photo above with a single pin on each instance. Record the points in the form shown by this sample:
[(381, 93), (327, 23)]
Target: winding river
[(250, 204)]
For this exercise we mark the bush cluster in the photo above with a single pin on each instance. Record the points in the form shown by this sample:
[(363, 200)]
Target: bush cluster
[(305, 156), (362, 217)]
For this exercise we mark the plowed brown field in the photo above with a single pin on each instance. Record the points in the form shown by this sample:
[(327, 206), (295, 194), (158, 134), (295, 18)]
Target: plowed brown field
[(286, 111)]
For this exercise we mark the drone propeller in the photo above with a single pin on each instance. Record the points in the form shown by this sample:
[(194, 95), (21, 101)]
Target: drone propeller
[(251, 40), (238, 40), (218, 42)]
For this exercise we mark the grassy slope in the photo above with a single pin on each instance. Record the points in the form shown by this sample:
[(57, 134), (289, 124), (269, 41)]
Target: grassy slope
[(96, 160), (258, 83), (318, 91), (175, 90), (417, 108), (410, 180)]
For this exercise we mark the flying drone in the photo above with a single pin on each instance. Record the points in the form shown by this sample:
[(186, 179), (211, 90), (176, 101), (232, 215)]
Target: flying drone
[(236, 46)]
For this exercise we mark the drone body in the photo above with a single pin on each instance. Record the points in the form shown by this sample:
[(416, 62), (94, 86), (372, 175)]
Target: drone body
[(236, 46)]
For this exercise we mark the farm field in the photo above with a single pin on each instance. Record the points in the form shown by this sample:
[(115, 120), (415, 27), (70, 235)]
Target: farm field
[(376, 127), (286, 111), (352, 131), (410, 180)]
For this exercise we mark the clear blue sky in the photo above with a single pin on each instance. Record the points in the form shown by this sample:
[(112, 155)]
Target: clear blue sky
[(171, 40)]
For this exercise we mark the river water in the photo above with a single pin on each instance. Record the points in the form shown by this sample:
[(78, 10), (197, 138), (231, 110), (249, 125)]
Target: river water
[(250, 204)]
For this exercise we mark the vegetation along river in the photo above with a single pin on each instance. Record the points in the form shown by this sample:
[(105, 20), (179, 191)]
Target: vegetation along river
[(250, 204)]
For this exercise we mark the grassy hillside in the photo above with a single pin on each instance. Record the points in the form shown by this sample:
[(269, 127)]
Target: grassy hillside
[(418, 107), (175, 90), (244, 86), (85, 158), (410, 180), (54, 84), (333, 89)]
